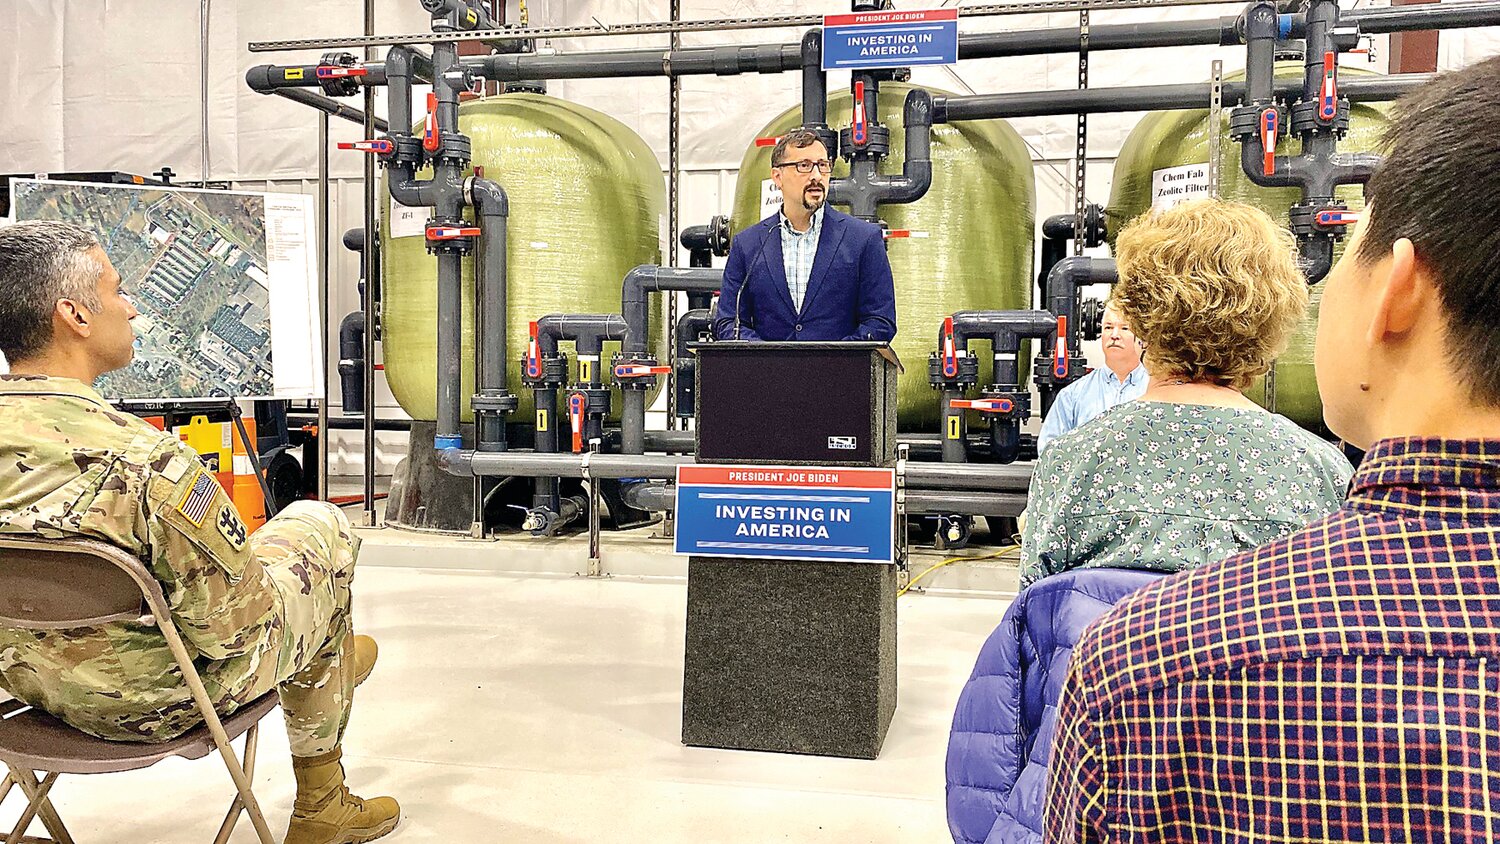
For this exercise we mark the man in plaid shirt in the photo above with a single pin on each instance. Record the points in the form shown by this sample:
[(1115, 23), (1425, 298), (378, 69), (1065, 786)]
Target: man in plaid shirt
[(1343, 683)]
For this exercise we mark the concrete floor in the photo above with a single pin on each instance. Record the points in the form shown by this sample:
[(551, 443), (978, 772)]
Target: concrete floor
[(547, 709)]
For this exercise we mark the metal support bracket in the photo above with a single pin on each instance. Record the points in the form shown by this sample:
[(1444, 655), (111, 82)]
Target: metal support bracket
[(1215, 127), (1080, 152)]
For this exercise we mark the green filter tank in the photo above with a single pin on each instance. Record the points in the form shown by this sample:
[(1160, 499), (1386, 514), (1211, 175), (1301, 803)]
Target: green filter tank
[(586, 205), (972, 233), (1166, 151)]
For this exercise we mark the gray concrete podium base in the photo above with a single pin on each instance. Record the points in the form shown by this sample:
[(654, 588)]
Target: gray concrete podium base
[(791, 657)]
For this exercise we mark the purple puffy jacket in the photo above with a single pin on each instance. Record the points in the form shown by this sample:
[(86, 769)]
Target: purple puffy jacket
[(1001, 745)]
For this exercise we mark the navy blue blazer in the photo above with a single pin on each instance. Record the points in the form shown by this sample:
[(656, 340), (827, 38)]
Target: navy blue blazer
[(850, 294)]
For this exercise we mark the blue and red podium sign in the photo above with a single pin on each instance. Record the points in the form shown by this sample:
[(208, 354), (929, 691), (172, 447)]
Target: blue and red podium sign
[(787, 513), (868, 40)]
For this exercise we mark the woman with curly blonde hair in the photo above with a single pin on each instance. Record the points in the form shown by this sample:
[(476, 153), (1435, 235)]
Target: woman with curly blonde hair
[(1192, 471)]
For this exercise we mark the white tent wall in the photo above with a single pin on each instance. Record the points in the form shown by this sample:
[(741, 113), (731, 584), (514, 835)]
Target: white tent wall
[(116, 85)]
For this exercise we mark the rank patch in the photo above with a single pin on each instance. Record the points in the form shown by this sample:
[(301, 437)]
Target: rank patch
[(231, 527)]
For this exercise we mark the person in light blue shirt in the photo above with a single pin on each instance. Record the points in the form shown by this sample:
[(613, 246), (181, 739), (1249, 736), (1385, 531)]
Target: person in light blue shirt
[(1120, 380)]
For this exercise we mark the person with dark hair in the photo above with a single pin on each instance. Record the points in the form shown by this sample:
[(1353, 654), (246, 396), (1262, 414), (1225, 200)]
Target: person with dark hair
[(1338, 684), (807, 272), (260, 612)]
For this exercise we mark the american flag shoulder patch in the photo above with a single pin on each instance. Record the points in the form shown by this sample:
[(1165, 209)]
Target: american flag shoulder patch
[(197, 498)]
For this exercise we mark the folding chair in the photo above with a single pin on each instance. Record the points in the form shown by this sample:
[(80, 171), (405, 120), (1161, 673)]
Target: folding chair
[(52, 584)]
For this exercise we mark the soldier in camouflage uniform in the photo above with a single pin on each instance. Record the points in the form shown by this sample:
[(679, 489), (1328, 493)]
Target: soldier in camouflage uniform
[(262, 612)]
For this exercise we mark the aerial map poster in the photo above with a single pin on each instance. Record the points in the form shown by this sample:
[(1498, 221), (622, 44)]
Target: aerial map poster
[(220, 279)]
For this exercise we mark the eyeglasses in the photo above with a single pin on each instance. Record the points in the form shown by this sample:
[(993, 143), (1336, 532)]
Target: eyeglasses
[(804, 167)]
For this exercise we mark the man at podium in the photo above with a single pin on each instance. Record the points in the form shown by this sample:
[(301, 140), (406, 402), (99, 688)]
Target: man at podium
[(808, 272)]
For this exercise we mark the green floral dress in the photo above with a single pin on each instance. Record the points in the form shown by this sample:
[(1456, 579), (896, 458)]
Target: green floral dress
[(1151, 485)]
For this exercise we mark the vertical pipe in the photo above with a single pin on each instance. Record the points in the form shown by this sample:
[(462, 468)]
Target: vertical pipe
[(633, 423), (449, 347), (955, 449), (324, 290), (814, 80), (372, 263)]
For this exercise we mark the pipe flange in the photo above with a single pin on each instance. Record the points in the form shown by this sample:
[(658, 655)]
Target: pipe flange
[(406, 151), (525, 86), (877, 142), (450, 236), (1019, 404), (453, 149), (1307, 220), (1306, 118), (502, 403), (1244, 121), (827, 137), (964, 369), (596, 399), (1047, 369), (550, 372), (636, 372), (1091, 319), (334, 77)]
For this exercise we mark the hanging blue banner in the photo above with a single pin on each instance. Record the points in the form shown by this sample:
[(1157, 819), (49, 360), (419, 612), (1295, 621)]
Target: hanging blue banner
[(872, 40)]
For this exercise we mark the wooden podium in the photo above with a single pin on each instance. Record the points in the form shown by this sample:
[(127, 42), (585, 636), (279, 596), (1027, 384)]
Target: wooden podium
[(792, 656)]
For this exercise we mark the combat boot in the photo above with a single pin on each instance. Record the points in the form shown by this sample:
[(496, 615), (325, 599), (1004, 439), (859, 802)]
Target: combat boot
[(365, 654), (326, 813)]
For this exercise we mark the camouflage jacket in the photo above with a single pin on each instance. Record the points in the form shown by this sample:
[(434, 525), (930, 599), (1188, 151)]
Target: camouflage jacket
[(73, 467)]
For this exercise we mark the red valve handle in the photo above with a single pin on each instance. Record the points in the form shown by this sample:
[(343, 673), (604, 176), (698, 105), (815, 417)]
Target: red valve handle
[(630, 370), (1060, 349), (1329, 99), (376, 147), (430, 129), (767, 142), (533, 358), (984, 405), (950, 354), (859, 112), (576, 404), (333, 71), (451, 232), (1269, 126), (1337, 217)]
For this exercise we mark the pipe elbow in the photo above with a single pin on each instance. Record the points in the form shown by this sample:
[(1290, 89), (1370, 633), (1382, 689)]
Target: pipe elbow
[(918, 109), (259, 79), (638, 281), (490, 200), (812, 48), (1076, 271), (1316, 258), (1356, 168), (455, 461)]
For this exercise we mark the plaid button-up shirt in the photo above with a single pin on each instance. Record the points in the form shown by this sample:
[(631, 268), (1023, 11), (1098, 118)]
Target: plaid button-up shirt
[(798, 249), (1340, 684)]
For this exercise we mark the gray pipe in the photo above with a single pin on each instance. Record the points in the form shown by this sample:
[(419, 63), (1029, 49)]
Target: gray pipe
[(1001, 477), (649, 277), (1147, 98), (672, 442), (993, 324), (521, 464), (814, 80), (935, 503), (588, 331), (652, 497), (494, 402), (866, 188)]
